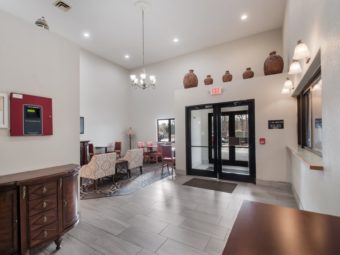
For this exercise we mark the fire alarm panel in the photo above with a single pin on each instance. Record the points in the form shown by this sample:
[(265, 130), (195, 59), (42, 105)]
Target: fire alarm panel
[(30, 115)]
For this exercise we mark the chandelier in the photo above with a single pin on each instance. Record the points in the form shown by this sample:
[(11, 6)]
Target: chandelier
[(144, 80)]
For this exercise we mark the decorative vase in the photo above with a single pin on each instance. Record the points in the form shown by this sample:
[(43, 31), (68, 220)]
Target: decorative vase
[(227, 77), (248, 73), (190, 80), (208, 80), (273, 64)]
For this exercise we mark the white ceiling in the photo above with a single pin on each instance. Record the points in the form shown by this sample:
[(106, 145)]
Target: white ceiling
[(115, 25)]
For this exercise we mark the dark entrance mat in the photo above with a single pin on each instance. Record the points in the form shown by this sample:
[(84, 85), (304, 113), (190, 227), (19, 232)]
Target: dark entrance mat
[(212, 185)]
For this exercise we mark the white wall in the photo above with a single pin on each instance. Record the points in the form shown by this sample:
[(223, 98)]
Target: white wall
[(317, 23), (271, 159), (104, 100), (37, 62), (150, 105)]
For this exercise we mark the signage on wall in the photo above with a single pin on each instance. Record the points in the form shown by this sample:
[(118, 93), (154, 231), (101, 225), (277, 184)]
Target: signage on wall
[(275, 124), (216, 91)]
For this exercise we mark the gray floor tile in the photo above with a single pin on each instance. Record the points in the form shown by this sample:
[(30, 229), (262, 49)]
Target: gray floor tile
[(175, 248), (144, 239), (186, 236)]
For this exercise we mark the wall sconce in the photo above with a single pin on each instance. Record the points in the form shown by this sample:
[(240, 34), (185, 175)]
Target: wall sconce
[(295, 67), (287, 87), (301, 52)]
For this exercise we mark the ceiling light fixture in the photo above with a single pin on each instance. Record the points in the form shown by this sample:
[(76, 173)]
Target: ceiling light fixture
[(86, 35), (295, 67), (244, 17), (127, 56), (301, 52), (144, 81), (175, 40)]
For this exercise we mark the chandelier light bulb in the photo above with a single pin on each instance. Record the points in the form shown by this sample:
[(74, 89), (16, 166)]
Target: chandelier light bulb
[(301, 51), (295, 68), (143, 76), (285, 90), (288, 84), (133, 77)]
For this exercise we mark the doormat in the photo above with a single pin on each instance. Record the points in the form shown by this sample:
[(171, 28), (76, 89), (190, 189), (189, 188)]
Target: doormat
[(211, 184)]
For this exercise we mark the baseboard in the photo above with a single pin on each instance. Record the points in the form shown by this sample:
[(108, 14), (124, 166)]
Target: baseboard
[(275, 184), (297, 198), (181, 172)]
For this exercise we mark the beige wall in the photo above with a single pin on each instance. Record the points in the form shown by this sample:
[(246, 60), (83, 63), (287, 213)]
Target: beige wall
[(104, 100), (317, 23), (271, 159), (38, 62), (149, 105)]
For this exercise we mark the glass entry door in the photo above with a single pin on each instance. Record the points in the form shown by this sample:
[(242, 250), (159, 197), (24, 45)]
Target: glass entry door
[(221, 140)]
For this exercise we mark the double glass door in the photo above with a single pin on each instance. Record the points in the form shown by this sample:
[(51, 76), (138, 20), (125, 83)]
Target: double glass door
[(221, 140)]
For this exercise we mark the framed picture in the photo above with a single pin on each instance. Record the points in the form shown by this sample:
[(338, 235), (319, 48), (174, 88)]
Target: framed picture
[(3, 110)]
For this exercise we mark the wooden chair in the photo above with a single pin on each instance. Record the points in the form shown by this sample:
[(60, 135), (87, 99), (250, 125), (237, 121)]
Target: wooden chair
[(118, 149), (91, 150), (168, 159), (146, 154)]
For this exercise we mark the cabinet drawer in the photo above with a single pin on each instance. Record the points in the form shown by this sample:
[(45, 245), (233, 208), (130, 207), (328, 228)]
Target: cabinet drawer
[(41, 235), (43, 219), (41, 205), (41, 190)]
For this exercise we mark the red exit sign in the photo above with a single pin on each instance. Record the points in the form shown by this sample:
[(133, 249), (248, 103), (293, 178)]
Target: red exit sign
[(216, 91)]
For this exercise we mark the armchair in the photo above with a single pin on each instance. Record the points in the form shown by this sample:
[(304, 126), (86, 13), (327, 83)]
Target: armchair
[(135, 159), (100, 165)]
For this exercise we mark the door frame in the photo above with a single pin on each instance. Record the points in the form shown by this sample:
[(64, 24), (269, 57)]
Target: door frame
[(218, 141)]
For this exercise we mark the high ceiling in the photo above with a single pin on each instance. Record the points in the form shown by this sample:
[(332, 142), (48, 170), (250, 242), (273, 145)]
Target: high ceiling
[(115, 25)]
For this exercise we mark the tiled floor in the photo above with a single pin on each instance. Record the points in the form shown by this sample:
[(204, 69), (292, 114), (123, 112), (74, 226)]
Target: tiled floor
[(164, 218)]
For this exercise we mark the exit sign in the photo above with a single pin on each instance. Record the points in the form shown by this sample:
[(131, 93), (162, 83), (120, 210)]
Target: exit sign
[(216, 91)]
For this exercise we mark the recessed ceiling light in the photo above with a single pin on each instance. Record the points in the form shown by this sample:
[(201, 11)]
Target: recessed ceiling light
[(175, 40), (86, 34), (127, 56), (244, 17)]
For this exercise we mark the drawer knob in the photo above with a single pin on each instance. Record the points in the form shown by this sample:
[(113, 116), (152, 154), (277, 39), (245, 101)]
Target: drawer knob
[(45, 233), (44, 219), (44, 190), (44, 204)]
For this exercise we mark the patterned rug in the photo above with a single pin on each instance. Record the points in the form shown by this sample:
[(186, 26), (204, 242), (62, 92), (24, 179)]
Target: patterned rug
[(125, 186)]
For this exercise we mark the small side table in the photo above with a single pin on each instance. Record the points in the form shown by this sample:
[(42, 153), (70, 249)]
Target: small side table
[(122, 168)]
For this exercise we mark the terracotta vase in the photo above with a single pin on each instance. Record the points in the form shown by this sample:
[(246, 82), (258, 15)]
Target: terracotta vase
[(273, 64), (190, 80), (227, 77), (208, 80), (248, 73)]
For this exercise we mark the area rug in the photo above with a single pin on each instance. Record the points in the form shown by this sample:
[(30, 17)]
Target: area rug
[(124, 186), (211, 184)]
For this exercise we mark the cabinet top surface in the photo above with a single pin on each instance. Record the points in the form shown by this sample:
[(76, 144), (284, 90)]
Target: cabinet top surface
[(38, 174)]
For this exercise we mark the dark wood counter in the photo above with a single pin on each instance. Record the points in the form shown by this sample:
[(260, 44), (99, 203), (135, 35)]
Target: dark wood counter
[(262, 229)]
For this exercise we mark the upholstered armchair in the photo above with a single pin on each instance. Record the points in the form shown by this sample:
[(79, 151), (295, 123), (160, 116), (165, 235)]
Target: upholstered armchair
[(135, 159), (100, 165)]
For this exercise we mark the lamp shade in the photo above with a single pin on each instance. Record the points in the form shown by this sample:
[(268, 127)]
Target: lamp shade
[(301, 51), (285, 90), (295, 67), (288, 84)]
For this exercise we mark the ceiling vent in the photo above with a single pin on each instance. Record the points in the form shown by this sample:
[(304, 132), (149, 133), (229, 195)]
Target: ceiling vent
[(62, 6)]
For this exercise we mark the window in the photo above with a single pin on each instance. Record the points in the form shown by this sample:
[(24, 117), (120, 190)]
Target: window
[(166, 130), (310, 115)]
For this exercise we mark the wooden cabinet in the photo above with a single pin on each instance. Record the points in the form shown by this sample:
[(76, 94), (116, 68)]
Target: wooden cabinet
[(47, 202), (8, 220)]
